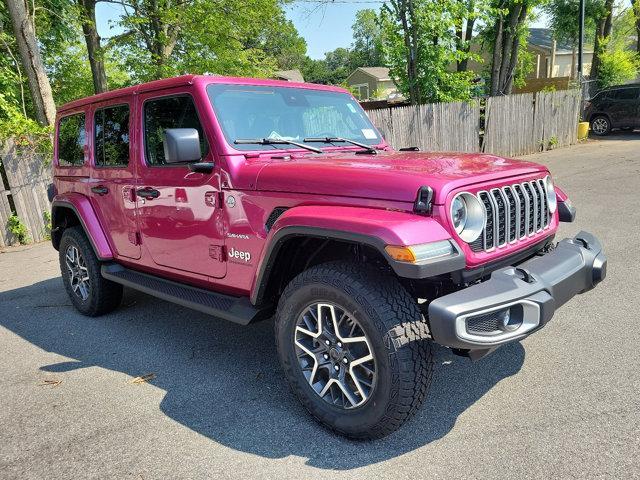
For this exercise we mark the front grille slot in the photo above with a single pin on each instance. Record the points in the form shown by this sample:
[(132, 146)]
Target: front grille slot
[(514, 212)]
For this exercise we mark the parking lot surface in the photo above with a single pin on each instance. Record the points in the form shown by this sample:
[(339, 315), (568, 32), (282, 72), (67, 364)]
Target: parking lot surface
[(563, 403)]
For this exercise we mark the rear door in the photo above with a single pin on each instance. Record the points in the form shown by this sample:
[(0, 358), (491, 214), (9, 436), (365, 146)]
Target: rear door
[(179, 214), (624, 106), (113, 175)]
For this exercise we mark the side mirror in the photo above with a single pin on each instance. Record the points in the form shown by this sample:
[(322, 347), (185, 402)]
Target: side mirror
[(181, 145)]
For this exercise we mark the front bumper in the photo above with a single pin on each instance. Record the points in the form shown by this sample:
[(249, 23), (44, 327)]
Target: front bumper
[(516, 301)]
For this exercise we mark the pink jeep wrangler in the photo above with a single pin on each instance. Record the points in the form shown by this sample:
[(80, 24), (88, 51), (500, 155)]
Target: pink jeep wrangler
[(249, 199)]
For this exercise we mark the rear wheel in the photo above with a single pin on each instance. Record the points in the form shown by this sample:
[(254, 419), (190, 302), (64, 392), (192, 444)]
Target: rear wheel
[(90, 293), (354, 348), (600, 125)]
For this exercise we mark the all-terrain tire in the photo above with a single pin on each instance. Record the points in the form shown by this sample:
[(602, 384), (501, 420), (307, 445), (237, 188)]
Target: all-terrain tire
[(397, 333), (103, 296)]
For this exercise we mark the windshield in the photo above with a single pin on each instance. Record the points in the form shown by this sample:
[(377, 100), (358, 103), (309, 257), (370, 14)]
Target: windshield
[(282, 113)]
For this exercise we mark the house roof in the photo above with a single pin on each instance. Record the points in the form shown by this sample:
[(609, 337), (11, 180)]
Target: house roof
[(543, 38), (290, 75), (379, 73)]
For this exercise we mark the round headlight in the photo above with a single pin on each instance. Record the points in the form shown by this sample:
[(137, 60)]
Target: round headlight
[(468, 216), (458, 214), (552, 200)]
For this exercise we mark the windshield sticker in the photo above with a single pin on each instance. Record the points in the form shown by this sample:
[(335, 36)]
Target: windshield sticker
[(351, 107), (369, 133), (276, 136)]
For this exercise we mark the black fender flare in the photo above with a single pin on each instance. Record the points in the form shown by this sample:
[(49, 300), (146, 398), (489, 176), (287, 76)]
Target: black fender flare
[(428, 269)]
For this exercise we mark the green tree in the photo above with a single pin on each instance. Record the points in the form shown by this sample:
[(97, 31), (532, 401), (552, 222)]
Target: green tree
[(603, 29), (421, 46), (505, 35), (636, 13), (170, 37), (95, 52), (22, 19), (617, 65), (367, 50)]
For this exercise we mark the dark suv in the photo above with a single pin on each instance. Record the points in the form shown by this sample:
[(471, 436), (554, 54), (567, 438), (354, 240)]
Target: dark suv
[(614, 107)]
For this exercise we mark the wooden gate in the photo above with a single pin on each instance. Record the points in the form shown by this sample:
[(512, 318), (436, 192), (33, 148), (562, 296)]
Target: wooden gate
[(24, 185)]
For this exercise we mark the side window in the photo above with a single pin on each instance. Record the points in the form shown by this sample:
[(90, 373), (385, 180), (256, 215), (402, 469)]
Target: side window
[(627, 94), (112, 136), (168, 112), (71, 140)]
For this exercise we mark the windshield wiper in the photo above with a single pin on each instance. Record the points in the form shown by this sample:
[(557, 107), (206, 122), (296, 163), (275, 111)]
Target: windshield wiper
[(368, 148), (274, 141)]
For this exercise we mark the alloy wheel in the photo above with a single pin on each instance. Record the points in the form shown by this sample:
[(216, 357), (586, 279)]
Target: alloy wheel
[(78, 273), (600, 125), (335, 355)]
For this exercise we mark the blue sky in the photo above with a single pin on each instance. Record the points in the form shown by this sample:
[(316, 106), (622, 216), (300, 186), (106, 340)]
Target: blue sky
[(325, 26)]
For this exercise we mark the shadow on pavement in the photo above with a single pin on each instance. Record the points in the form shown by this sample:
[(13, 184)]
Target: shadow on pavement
[(618, 135), (223, 380)]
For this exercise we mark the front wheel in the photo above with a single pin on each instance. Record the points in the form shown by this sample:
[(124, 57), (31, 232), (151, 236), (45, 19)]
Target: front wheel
[(354, 348)]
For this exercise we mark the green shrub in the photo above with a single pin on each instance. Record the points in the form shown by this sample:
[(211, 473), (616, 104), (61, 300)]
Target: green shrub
[(553, 142), (18, 228), (618, 66), (46, 216)]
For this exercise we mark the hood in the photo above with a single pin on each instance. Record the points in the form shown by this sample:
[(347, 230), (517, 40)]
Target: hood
[(393, 176)]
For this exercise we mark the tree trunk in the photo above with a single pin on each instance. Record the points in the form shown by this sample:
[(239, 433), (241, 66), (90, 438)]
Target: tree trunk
[(636, 10), (496, 59), (403, 10), (463, 64), (94, 50), (515, 50), (511, 35), (603, 31), (39, 86), (506, 46)]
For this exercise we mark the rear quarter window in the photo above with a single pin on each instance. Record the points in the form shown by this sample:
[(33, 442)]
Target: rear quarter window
[(72, 138)]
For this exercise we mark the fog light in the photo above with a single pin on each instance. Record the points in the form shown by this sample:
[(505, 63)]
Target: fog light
[(508, 321)]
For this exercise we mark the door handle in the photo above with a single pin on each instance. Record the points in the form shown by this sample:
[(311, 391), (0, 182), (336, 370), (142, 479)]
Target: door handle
[(148, 193), (100, 190)]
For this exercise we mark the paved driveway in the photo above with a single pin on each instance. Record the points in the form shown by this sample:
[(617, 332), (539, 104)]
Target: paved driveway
[(564, 403)]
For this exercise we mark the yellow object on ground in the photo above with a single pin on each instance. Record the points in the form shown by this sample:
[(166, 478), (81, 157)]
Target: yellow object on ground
[(583, 130)]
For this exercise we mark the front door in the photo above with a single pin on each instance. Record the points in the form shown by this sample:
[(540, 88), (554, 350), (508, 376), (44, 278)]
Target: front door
[(113, 177), (178, 210)]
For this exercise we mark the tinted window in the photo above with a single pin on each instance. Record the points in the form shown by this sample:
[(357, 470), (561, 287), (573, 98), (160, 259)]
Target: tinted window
[(71, 140), (626, 94), (112, 136), (168, 112)]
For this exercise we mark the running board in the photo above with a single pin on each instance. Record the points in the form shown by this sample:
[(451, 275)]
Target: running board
[(234, 309)]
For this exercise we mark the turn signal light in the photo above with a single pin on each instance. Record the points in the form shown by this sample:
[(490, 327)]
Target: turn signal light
[(401, 254), (420, 253)]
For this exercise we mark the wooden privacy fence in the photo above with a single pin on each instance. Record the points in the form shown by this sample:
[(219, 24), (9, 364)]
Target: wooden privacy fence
[(531, 122), (435, 127), (511, 125), (23, 191)]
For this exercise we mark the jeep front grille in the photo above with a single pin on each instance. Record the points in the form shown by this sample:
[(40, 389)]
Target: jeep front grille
[(514, 212)]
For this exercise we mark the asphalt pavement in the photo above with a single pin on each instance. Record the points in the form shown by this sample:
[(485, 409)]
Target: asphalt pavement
[(564, 403)]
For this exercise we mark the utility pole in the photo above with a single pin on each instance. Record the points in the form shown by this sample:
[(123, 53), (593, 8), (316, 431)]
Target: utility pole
[(580, 39)]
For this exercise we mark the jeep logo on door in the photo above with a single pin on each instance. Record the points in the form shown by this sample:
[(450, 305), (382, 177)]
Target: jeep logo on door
[(244, 256)]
